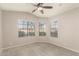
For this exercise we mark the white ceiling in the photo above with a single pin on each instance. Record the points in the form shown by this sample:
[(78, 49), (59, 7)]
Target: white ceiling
[(28, 7)]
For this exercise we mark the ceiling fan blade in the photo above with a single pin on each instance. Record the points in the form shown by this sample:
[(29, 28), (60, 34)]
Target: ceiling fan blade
[(35, 5), (34, 10), (47, 7), (39, 4), (42, 11)]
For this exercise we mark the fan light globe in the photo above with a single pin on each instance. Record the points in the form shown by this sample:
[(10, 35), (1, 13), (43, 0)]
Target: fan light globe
[(40, 8)]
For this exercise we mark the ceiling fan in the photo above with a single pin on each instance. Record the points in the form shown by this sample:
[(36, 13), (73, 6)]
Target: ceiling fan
[(40, 7)]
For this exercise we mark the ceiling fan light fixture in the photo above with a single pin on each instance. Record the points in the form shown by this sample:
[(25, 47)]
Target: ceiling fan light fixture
[(40, 8)]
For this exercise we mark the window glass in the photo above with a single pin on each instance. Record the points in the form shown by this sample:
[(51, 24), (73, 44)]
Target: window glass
[(54, 28), (42, 29), (26, 28)]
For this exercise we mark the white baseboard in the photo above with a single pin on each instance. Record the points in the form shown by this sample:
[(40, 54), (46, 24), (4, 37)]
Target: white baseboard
[(16, 46), (65, 47), (19, 45), (46, 42)]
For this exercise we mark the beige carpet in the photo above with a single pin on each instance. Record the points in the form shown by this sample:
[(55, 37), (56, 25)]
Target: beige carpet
[(39, 49)]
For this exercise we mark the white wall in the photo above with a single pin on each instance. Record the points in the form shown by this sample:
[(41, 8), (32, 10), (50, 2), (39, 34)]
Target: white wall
[(68, 30), (10, 29), (0, 32)]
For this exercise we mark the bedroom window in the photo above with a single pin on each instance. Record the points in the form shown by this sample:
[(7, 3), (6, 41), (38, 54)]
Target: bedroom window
[(26, 28), (54, 28), (42, 29), (30, 29)]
